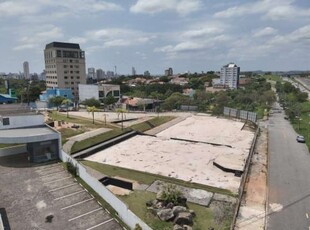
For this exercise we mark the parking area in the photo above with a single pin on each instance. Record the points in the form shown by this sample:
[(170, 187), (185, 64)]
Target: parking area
[(48, 197)]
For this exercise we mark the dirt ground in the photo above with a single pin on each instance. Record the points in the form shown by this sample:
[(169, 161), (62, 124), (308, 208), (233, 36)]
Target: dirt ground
[(252, 210)]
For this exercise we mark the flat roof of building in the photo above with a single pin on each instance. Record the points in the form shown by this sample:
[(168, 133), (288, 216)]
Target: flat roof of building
[(62, 45), (15, 109), (27, 135)]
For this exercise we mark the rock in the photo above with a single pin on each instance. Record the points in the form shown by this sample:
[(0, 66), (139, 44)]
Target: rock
[(159, 205), (184, 218), (149, 203), (187, 227), (182, 200), (170, 205), (177, 227), (165, 214), (192, 212), (177, 209), (153, 210)]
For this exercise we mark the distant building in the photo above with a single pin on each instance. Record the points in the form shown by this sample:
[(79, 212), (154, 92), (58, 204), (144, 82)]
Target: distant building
[(49, 93), (100, 74), (99, 91), (7, 99), (91, 73), (147, 73), (65, 66), (110, 74), (26, 70), (169, 72), (179, 81), (230, 76), (133, 71)]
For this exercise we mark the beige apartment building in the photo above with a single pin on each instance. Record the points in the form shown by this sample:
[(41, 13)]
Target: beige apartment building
[(65, 66)]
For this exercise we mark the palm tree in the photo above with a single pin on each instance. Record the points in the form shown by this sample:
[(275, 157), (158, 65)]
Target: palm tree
[(121, 111), (66, 102), (92, 109)]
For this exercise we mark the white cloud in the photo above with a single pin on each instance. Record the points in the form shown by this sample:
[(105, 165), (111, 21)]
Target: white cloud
[(117, 37), (79, 40), (182, 7), (38, 36), (265, 32), (271, 9), (59, 8), (17, 8)]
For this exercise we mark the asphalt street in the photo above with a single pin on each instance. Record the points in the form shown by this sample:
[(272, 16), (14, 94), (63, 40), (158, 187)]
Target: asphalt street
[(289, 177)]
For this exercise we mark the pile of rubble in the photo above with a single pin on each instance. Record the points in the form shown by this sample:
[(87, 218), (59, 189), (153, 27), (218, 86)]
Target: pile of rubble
[(172, 211)]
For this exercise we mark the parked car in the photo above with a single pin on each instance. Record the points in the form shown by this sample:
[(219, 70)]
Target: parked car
[(300, 139)]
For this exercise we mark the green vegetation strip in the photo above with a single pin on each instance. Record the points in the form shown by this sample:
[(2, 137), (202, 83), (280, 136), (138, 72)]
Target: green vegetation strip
[(81, 145), (141, 127), (7, 145), (148, 178), (154, 122)]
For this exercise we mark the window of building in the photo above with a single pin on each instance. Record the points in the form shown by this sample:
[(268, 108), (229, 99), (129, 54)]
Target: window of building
[(72, 77), (70, 60), (65, 66), (6, 121), (58, 53), (72, 82), (71, 66), (71, 71), (115, 93), (66, 77)]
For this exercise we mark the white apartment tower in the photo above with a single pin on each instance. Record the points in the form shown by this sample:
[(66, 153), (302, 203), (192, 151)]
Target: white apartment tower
[(230, 76), (26, 70), (65, 66)]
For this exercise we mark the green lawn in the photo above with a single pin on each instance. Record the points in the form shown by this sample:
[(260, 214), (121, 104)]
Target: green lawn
[(68, 132), (203, 220), (78, 120), (141, 127), (273, 77), (80, 145), (147, 125)]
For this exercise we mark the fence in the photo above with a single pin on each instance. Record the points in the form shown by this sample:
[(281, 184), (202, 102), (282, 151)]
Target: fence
[(244, 179), (241, 114), (121, 208)]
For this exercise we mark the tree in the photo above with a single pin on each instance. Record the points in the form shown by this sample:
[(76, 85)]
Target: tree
[(109, 100), (92, 102), (56, 101), (66, 102), (92, 109), (121, 111)]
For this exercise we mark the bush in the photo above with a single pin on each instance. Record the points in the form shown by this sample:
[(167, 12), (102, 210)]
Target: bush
[(72, 168)]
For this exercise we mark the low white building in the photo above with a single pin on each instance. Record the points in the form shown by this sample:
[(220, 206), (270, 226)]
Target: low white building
[(98, 92), (20, 125)]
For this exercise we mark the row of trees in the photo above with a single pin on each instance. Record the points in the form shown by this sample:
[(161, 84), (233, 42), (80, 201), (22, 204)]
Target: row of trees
[(256, 96), (292, 99)]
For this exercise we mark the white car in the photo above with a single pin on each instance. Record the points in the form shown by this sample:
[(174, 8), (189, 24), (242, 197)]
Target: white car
[(300, 139)]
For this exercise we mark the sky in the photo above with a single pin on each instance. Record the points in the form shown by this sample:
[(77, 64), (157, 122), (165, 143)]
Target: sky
[(153, 35)]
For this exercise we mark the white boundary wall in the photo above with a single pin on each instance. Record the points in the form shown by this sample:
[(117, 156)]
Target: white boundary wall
[(121, 208), (8, 151)]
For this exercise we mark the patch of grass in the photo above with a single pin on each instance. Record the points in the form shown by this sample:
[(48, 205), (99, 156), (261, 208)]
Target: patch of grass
[(273, 77), (78, 120), (204, 217), (141, 127), (80, 145), (148, 178), (147, 125), (68, 132), (136, 202)]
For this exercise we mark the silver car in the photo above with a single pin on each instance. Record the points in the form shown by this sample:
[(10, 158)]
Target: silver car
[(300, 139)]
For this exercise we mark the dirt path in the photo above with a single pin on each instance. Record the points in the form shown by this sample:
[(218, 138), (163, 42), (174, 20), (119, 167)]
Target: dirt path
[(252, 210)]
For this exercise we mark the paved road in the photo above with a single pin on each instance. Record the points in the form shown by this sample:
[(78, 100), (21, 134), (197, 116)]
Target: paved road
[(289, 178)]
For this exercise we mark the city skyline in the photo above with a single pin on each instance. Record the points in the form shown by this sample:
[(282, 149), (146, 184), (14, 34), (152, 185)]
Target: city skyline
[(192, 35)]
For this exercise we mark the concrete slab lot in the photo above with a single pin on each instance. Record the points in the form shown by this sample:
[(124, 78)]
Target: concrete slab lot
[(48, 197), (186, 160)]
